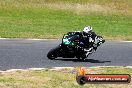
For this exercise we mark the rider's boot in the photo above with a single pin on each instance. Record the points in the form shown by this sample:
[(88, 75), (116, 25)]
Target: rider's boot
[(88, 51)]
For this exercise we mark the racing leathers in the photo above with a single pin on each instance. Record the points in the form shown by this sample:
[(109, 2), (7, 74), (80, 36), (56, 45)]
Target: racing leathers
[(91, 43), (88, 42)]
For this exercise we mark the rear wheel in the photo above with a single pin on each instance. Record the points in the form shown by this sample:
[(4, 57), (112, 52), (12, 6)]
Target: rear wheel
[(82, 58)]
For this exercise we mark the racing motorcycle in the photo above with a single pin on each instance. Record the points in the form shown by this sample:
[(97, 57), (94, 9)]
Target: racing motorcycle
[(70, 47)]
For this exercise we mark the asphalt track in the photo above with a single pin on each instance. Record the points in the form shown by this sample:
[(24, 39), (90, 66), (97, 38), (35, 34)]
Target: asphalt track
[(23, 54)]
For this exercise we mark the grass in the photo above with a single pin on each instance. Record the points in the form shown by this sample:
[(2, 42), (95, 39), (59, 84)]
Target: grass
[(52, 18), (63, 78)]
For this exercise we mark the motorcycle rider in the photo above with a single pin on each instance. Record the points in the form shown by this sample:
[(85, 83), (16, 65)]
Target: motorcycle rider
[(89, 40)]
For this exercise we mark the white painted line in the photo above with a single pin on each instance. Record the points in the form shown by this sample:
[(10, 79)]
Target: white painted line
[(36, 39), (126, 41), (25, 39), (3, 38), (128, 66), (62, 67), (58, 68), (12, 70), (42, 39), (106, 66), (37, 68)]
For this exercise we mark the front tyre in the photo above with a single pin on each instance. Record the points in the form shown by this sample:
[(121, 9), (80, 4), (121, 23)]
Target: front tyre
[(52, 54)]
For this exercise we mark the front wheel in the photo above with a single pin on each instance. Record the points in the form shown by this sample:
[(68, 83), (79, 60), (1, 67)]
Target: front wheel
[(52, 54)]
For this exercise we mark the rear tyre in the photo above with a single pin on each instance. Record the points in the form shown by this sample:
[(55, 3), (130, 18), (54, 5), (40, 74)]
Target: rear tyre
[(82, 58)]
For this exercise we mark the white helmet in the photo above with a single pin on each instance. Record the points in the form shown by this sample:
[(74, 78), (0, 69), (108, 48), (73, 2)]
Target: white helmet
[(87, 29)]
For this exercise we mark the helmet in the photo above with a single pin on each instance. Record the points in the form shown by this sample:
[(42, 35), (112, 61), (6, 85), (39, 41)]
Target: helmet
[(87, 29)]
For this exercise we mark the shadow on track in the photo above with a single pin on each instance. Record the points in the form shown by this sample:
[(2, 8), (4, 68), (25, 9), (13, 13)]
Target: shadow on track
[(87, 60)]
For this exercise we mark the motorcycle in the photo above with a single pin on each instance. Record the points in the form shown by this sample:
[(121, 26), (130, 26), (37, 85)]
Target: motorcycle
[(70, 47)]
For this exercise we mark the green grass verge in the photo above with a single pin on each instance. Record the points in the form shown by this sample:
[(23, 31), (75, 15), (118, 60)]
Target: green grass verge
[(51, 19), (63, 78)]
